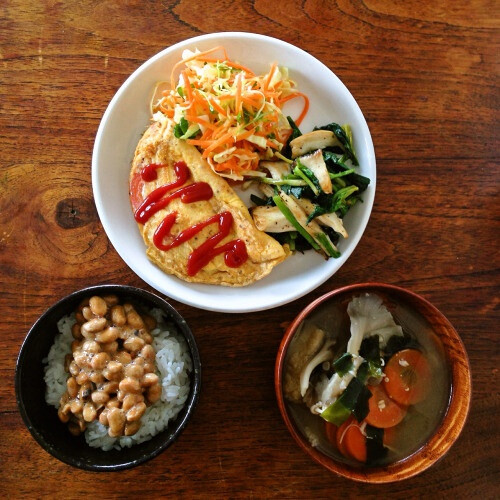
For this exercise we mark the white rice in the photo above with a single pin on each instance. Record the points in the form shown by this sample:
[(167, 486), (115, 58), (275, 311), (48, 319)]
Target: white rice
[(173, 363)]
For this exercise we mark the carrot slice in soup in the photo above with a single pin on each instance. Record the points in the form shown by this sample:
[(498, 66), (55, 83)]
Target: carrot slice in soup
[(350, 441), (355, 442), (339, 438), (383, 411), (407, 377)]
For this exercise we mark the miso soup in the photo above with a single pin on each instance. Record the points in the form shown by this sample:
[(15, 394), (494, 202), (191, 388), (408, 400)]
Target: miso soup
[(420, 418)]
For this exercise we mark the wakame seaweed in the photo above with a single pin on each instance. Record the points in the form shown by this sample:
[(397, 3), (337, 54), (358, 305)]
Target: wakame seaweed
[(375, 449), (343, 364), (397, 343), (361, 408), (370, 348), (354, 400)]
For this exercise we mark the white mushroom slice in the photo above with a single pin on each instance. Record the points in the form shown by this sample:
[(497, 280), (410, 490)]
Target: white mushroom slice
[(318, 139), (277, 169), (369, 316), (313, 228), (336, 385), (271, 220), (266, 189), (324, 355), (316, 164), (331, 220)]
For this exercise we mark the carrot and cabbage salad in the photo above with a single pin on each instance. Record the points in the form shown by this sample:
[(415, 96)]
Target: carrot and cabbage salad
[(232, 115)]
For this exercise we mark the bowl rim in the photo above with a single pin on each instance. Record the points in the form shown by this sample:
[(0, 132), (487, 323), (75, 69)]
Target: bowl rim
[(201, 295), (176, 427), (449, 428)]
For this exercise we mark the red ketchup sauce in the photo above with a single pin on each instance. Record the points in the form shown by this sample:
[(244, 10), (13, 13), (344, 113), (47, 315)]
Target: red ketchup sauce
[(235, 252)]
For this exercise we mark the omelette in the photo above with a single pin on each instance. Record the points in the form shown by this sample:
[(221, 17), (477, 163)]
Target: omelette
[(193, 223)]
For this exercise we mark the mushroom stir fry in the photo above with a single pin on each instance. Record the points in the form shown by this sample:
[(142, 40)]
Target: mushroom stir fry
[(310, 189)]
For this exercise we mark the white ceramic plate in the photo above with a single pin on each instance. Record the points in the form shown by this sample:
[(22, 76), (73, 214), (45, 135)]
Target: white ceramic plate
[(127, 117)]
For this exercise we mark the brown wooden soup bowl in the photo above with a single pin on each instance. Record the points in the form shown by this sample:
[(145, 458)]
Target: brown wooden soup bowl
[(456, 400)]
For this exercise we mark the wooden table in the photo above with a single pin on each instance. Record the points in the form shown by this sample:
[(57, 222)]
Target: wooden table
[(425, 75)]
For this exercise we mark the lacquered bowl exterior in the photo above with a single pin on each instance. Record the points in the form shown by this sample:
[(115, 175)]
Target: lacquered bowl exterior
[(456, 412)]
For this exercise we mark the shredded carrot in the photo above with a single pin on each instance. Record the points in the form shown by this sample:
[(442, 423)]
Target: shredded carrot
[(225, 139), (269, 76), (217, 107), (245, 135), (199, 142), (272, 145), (166, 111), (302, 115), (238, 114), (251, 102), (306, 105), (207, 134), (232, 64), (201, 121), (187, 86)]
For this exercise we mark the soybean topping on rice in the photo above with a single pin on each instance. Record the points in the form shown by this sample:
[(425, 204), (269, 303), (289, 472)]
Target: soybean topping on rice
[(116, 375)]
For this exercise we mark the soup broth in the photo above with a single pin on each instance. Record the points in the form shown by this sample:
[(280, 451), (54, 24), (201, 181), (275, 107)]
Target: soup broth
[(421, 418)]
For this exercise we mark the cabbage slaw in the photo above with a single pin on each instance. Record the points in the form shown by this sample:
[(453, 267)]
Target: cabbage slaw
[(231, 114)]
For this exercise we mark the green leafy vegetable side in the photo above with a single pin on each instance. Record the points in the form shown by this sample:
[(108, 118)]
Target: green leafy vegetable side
[(325, 243), (345, 139), (301, 183), (308, 176), (335, 164), (290, 217)]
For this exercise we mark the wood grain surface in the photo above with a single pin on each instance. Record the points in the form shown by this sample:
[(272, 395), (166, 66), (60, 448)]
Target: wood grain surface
[(425, 75)]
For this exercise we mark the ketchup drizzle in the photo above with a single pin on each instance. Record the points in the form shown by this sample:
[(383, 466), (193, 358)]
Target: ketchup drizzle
[(148, 172), (235, 252), (156, 200)]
